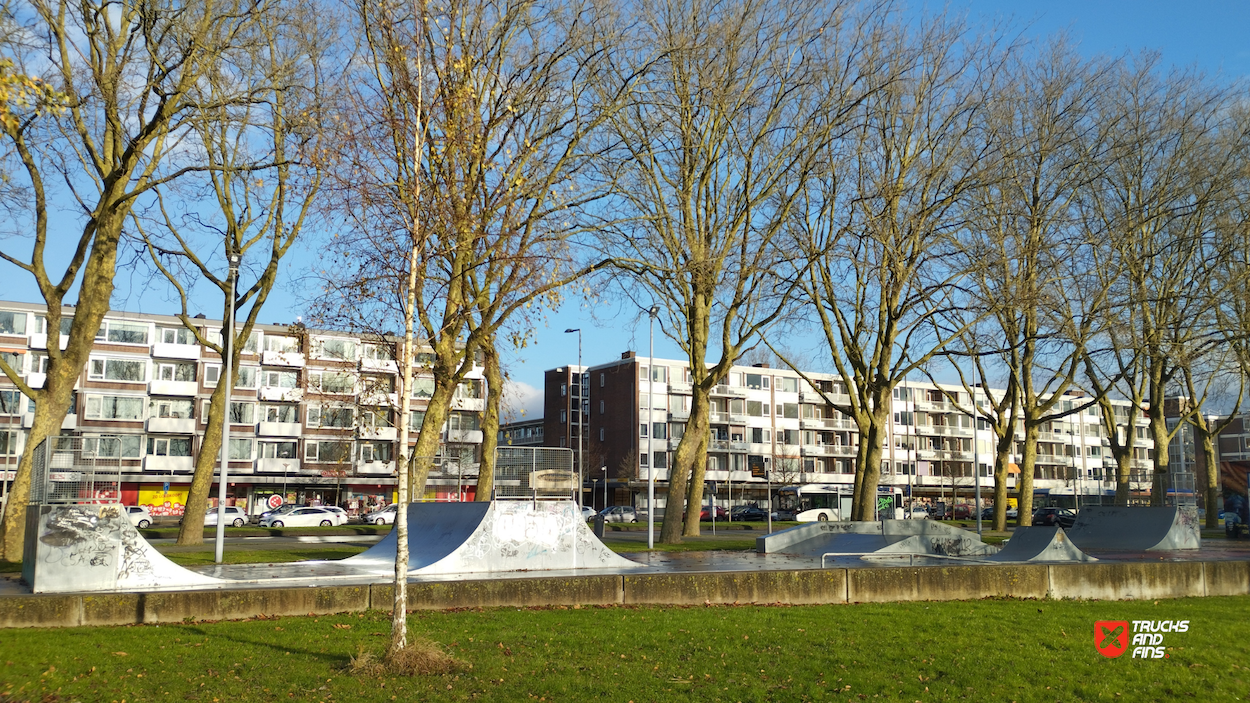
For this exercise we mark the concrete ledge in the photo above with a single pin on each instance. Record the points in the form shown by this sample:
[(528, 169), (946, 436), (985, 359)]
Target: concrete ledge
[(1226, 578), (41, 611), (946, 583), (239, 604), (1104, 580), (113, 608), (577, 590), (1127, 581), (795, 587)]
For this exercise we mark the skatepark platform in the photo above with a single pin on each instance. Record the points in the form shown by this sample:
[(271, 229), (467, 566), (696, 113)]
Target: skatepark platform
[(881, 537), (1040, 544), (94, 548), (1136, 529)]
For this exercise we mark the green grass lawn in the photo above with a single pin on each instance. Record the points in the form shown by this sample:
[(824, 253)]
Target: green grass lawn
[(991, 650)]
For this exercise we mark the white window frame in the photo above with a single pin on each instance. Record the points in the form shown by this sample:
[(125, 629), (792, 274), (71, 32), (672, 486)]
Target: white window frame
[(98, 399), (103, 362), (107, 327), (212, 374)]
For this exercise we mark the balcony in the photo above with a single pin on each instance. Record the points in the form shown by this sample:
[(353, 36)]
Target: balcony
[(718, 445), (738, 446), (680, 415), (379, 365), (737, 417), (680, 388), (176, 351), (729, 390), (280, 358), (944, 430), (463, 437), (469, 404), (172, 464), (380, 433), (171, 425), (278, 429), (36, 380), (718, 418), (179, 388), (275, 393), (277, 466), (375, 468)]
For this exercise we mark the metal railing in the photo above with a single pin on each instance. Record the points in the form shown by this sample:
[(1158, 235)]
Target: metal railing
[(76, 470)]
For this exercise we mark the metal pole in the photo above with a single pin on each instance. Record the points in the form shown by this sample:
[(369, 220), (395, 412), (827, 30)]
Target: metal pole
[(227, 379), (976, 458), (581, 394), (605, 487), (651, 435)]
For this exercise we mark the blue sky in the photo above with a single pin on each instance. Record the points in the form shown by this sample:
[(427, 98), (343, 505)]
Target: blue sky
[(1208, 34)]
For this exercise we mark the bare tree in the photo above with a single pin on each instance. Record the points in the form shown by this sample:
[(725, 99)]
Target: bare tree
[(732, 105), (1155, 204), (1025, 253), (881, 224), (265, 169), (128, 72)]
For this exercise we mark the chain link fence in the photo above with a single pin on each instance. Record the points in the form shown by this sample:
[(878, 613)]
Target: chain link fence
[(534, 473), (76, 470)]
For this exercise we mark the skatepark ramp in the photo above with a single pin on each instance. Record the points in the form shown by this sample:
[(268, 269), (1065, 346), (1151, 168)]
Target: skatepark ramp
[(1040, 544), (815, 539), (88, 547), (1136, 529), (499, 536)]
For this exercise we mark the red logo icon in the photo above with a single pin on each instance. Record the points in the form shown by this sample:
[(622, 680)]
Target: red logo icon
[(1111, 637), (275, 501)]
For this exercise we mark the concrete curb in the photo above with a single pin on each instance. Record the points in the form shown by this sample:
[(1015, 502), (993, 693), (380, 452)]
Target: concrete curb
[(1100, 581)]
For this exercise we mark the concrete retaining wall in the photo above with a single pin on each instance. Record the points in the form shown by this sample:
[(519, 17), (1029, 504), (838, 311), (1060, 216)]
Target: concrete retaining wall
[(1101, 581)]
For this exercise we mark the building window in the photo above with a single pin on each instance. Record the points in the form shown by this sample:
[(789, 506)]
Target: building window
[(602, 379), (659, 430), (12, 323), (661, 460), (277, 450), (335, 348), (173, 408), (642, 430), (240, 449), (177, 335), (755, 408), (277, 343), (422, 387), (327, 452), (600, 434), (11, 403), (601, 407), (248, 376), (331, 416), (564, 389), (113, 407), (281, 379), (212, 373), (121, 332), (790, 410), (118, 370), (114, 446), (242, 413), (279, 413), (169, 446), (8, 443), (788, 385), (564, 416), (377, 352), (175, 372)]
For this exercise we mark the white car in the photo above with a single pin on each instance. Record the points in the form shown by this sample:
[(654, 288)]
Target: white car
[(340, 515), (234, 516), (139, 516), (385, 516), (301, 517), (588, 512)]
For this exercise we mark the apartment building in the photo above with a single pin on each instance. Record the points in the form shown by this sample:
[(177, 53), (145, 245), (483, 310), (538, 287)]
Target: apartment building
[(775, 422), (312, 417)]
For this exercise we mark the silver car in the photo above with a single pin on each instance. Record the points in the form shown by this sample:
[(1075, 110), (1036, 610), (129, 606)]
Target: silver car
[(619, 513), (385, 516)]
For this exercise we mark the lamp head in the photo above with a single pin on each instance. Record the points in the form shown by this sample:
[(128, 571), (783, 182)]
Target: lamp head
[(575, 329)]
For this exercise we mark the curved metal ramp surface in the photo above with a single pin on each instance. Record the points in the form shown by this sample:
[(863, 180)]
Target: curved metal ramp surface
[(1135, 529), (462, 538), (95, 548), (814, 539), (1040, 544)]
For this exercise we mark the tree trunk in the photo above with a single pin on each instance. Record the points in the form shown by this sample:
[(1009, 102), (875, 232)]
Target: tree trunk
[(1208, 473), (865, 501), (49, 414), (1028, 464), (693, 443), (694, 491), (490, 420), (1159, 482), (192, 529)]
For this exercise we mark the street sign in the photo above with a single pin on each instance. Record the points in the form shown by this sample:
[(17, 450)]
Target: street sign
[(712, 485), (275, 501)]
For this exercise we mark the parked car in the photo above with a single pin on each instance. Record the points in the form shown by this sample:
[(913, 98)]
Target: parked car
[(749, 513), (340, 515), (234, 516), (919, 512), (1063, 517), (588, 512), (385, 516), (300, 517), (139, 516), (280, 510), (706, 513), (619, 513)]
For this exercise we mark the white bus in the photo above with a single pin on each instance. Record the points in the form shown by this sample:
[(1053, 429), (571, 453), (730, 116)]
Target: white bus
[(819, 502)]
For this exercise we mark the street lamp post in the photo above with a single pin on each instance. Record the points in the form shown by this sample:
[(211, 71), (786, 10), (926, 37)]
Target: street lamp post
[(976, 457), (581, 392), (605, 488), (228, 380), (655, 310)]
